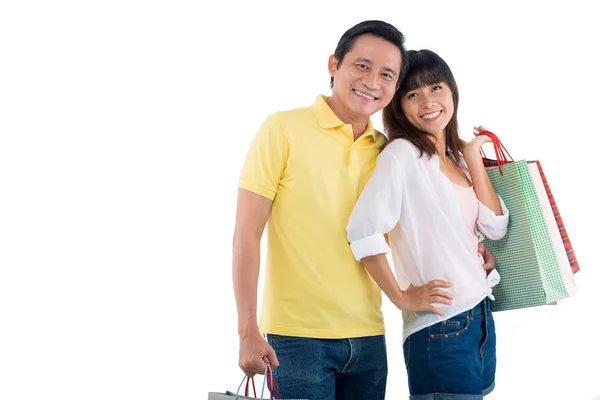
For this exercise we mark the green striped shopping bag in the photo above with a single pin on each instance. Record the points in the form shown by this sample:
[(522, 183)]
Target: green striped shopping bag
[(525, 258)]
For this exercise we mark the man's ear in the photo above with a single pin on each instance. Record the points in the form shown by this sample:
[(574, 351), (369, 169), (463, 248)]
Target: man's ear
[(332, 65)]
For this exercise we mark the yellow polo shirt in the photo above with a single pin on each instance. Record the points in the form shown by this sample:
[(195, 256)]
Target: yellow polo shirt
[(307, 162)]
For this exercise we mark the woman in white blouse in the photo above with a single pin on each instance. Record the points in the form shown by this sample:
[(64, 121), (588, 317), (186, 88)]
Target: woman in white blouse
[(430, 194)]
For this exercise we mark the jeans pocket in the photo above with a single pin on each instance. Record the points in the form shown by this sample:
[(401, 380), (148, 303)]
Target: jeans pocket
[(451, 327)]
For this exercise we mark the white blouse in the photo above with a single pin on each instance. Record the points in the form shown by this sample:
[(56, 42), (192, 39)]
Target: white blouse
[(411, 200)]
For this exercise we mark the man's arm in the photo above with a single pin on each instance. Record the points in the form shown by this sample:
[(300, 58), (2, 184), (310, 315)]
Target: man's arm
[(252, 213)]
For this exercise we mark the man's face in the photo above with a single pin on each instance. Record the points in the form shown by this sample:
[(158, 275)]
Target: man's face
[(365, 81)]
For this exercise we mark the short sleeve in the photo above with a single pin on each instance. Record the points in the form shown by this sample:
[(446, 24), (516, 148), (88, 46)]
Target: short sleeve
[(266, 159)]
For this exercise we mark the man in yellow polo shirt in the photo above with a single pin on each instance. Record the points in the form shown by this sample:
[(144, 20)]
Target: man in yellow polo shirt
[(303, 174)]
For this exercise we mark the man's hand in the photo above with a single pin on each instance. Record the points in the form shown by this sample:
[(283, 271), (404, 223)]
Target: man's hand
[(488, 258), (254, 353)]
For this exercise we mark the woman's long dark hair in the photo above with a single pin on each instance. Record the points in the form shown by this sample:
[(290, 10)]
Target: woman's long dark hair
[(424, 68)]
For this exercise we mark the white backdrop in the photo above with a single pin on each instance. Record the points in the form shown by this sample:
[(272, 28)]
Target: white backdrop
[(123, 128)]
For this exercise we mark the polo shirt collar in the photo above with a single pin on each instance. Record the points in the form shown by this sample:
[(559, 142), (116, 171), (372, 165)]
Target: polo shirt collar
[(327, 118)]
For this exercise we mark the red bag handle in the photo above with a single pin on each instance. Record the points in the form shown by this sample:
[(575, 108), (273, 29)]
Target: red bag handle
[(499, 149), (253, 387), (270, 384), (273, 384)]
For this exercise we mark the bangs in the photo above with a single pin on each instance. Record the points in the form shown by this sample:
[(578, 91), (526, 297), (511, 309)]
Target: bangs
[(423, 70)]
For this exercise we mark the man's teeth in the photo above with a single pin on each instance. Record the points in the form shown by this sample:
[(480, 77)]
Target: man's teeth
[(432, 115), (366, 96)]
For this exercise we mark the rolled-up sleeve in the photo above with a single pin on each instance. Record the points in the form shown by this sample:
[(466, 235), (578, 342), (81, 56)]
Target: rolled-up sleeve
[(377, 210), (491, 225)]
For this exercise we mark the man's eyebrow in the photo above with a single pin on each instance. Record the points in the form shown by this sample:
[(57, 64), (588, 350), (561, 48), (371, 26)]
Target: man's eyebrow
[(364, 60), (390, 70)]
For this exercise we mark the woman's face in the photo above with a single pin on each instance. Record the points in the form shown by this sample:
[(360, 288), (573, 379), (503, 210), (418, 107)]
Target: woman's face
[(429, 108)]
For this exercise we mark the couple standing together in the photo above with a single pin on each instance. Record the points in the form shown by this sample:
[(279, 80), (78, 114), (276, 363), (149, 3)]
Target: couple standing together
[(336, 195)]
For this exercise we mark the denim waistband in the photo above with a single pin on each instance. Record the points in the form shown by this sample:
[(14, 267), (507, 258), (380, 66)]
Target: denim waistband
[(484, 307)]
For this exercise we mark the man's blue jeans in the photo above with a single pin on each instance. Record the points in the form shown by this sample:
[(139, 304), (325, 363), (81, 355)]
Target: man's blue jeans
[(330, 369)]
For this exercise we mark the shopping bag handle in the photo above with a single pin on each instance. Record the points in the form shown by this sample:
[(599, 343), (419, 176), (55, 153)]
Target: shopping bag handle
[(502, 155), (247, 380), (269, 380), (246, 391), (269, 374)]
